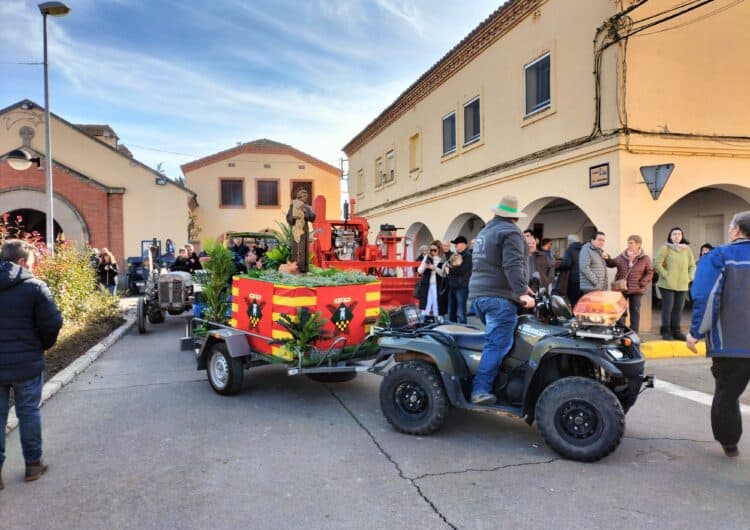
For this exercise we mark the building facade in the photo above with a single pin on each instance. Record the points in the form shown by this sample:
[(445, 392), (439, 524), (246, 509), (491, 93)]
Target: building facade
[(249, 187), (102, 195), (645, 130)]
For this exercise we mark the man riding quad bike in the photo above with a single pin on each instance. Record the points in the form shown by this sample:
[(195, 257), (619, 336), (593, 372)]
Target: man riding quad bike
[(575, 376)]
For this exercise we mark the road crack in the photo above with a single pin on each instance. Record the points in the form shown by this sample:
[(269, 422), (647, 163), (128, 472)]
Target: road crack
[(485, 470), (388, 457)]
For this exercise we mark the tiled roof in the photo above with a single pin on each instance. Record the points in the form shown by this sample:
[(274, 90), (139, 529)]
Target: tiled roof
[(263, 146)]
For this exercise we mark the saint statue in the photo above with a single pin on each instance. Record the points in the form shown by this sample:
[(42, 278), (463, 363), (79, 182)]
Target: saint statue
[(298, 216)]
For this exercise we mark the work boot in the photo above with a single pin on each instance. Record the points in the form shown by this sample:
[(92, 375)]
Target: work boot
[(665, 334), (35, 470), (730, 450), (678, 335)]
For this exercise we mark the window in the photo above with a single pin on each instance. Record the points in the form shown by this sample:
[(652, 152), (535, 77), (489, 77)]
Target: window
[(390, 175), (268, 192), (449, 133), (232, 193), (415, 153), (538, 85), (361, 182), (379, 174), (471, 121)]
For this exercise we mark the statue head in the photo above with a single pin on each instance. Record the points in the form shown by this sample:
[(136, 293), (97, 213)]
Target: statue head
[(302, 195)]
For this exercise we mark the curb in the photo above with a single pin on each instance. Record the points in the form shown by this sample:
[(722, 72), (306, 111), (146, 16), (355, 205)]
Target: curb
[(65, 376), (670, 349)]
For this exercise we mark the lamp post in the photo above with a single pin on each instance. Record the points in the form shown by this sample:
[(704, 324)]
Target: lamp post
[(55, 9)]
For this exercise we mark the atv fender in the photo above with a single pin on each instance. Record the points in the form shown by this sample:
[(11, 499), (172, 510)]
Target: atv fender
[(533, 383), (237, 345)]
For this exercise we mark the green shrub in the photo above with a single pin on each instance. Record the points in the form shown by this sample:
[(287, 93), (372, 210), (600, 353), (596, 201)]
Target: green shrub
[(72, 281), (217, 287)]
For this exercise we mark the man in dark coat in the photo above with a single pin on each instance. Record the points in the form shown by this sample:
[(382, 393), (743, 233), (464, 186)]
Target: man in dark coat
[(569, 267), (458, 271), (29, 324)]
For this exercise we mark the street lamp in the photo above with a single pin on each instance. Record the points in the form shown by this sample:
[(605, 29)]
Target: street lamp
[(55, 9)]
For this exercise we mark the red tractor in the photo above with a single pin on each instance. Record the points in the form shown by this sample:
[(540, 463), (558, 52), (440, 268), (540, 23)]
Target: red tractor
[(344, 245)]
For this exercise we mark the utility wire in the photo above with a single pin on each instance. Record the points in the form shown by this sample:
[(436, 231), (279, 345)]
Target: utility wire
[(698, 19)]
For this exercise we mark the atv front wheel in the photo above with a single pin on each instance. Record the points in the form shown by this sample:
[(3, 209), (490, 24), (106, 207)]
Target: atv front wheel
[(413, 399), (580, 418)]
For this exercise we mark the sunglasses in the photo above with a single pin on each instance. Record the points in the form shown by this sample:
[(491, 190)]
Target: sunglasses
[(433, 250)]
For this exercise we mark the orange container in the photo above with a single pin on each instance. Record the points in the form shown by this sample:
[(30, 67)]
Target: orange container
[(258, 305), (600, 307)]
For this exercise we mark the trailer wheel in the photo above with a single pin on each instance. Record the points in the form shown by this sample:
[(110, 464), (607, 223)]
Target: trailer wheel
[(225, 373), (140, 315), (413, 399), (335, 377)]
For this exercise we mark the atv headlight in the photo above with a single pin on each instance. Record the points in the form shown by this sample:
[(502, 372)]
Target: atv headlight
[(616, 354)]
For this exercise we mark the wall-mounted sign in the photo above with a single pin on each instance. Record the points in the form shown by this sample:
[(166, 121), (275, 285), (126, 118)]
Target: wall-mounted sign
[(599, 176)]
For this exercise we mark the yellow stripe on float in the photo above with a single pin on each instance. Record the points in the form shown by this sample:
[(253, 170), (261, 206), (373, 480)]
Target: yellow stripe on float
[(372, 312), (278, 334), (235, 291), (235, 307), (372, 296), (295, 301), (233, 322), (277, 316)]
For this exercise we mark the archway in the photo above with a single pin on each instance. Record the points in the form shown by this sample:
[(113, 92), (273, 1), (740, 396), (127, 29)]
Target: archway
[(420, 235), (555, 218), (467, 224), (33, 221), (67, 218)]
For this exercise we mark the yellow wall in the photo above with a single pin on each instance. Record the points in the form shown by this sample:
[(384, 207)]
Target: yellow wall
[(497, 76), (692, 79), (215, 220), (148, 210)]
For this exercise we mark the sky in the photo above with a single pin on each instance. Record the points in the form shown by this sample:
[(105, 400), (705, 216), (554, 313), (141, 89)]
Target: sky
[(181, 79)]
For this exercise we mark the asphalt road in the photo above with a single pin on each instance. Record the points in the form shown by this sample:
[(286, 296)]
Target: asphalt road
[(141, 441)]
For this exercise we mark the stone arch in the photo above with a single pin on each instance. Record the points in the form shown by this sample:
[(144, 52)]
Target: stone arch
[(555, 218), (466, 224), (703, 213), (66, 215), (420, 235), (666, 202)]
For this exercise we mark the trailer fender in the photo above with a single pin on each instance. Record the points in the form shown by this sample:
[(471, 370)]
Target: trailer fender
[(236, 343)]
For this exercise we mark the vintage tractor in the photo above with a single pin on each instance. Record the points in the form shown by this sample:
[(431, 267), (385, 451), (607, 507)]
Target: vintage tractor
[(344, 245), (165, 292)]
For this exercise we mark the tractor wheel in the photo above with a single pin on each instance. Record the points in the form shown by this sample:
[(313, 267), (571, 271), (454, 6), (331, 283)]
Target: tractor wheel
[(580, 418), (225, 373), (140, 315), (334, 377), (155, 314), (413, 399)]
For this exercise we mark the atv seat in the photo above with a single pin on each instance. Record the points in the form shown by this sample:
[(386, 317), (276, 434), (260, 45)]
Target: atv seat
[(465, 337)]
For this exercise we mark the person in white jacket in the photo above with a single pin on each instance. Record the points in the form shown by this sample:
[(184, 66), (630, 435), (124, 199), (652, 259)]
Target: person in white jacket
[(431, 280)]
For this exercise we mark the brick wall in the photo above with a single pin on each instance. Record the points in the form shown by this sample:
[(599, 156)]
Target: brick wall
[(100, 210)]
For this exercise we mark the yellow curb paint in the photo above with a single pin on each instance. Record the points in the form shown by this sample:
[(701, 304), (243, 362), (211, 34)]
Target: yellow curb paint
[(669, 349)]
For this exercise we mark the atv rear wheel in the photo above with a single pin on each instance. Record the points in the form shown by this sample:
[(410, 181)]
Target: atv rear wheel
[(333, 377), (413, 399), (580, 418), (225, 373)]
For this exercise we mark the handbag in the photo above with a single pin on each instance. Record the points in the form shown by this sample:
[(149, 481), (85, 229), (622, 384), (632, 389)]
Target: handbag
[(620, 285)]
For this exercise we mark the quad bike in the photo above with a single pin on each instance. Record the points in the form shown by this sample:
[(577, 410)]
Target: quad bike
[(576, 376)]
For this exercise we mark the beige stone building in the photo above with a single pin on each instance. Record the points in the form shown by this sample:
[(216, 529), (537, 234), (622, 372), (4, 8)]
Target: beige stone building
[(646, 129), (249, 187), (103, 196)]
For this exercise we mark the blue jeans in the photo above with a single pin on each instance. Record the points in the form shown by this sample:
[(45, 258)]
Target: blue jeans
[(500, 317), (457, 297), (27, 395)]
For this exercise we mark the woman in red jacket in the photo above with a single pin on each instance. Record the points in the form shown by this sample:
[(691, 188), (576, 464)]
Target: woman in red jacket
[(635, 267)]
